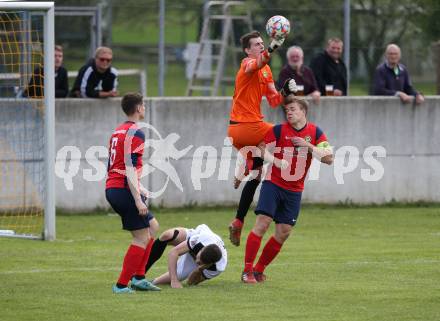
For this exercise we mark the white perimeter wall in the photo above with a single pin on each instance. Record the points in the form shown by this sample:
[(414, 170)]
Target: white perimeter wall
[(410, 135)]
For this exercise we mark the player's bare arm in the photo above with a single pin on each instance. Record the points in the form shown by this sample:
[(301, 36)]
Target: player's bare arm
[(133, 179), (173, 256), (197, 276), (143, 191), (323, 151), (267, 152)]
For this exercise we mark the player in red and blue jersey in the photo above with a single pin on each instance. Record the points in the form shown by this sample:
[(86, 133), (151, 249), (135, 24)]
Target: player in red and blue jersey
[(246, 126), (280, 197), (128, 198)]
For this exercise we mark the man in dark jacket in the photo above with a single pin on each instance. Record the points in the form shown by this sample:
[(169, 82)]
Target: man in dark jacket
[(303, 75), (35, 88), (329, 69), (392, 79), (97, 78)]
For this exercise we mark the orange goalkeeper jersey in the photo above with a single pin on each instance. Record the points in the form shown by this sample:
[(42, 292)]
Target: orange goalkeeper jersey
[(251, 84)]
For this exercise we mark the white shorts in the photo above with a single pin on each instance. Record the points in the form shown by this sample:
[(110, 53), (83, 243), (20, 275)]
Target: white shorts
[(186, 264)]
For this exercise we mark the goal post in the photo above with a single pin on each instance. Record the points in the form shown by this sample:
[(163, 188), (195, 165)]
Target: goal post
[(47, 115)]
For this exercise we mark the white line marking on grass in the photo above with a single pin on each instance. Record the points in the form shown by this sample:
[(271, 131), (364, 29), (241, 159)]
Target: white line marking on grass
[(108, 269), (87, 238), (97, 269)]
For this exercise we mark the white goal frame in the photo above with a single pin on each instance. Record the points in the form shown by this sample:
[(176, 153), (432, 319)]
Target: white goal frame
[(47, 8)]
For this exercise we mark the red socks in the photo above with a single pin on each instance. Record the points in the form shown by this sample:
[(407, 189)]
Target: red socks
[(140, 271), (252, 246), (270, 251), (133, 258)]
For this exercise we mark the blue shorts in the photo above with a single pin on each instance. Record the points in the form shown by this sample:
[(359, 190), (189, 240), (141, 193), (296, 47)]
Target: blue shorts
[(280, 204), (123, 203)]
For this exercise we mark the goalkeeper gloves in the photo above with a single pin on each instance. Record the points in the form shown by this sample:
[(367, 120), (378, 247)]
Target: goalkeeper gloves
[(289, 87), (274, 44)]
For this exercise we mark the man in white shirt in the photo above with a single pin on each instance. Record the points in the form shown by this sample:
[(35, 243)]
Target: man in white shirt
[(198, 255)]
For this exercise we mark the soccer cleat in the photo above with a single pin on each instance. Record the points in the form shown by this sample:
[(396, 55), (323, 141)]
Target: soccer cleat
[(143, 285), (117, 290), (260, 276), (235, 231), (248, 277)]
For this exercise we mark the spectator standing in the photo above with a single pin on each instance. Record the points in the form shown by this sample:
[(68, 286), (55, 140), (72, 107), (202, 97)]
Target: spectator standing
[(329, 69), (303, 75), (36, 84), (97, 78), (391, 78)]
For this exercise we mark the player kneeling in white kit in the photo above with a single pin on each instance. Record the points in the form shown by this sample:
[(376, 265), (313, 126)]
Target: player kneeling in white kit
[(198, 254)]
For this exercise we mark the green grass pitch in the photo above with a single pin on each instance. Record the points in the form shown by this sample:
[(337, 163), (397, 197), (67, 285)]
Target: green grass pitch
[(377, 263)]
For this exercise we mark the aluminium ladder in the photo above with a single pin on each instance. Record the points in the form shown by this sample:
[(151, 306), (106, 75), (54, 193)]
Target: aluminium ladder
[(218, 50)]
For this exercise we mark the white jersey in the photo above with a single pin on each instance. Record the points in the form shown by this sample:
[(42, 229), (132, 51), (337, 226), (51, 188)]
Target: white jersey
[(196, 239)]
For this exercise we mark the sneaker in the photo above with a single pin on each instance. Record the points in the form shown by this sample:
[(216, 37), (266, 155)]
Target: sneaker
[(117, 290), (248, 277), (235, 231), (260, 276), (143, 285)]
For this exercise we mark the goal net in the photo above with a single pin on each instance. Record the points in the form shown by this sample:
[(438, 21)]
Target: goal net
[(26, 120)]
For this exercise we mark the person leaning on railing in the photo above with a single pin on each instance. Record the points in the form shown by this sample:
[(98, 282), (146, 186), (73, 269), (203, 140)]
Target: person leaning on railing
[(97, 78), (303, 75), (329, 69), (35, 88), (391, 78)]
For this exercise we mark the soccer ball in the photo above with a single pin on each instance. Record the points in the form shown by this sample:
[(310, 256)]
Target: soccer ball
[(277, 27)]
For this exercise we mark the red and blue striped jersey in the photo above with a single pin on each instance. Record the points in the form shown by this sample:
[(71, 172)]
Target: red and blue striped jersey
[(126, 148), (292, 178)]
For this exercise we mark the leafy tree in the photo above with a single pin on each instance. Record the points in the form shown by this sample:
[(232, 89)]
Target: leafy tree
[(311, 22), (428, 20), (377, 23), (374, 24), (430, 26)]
